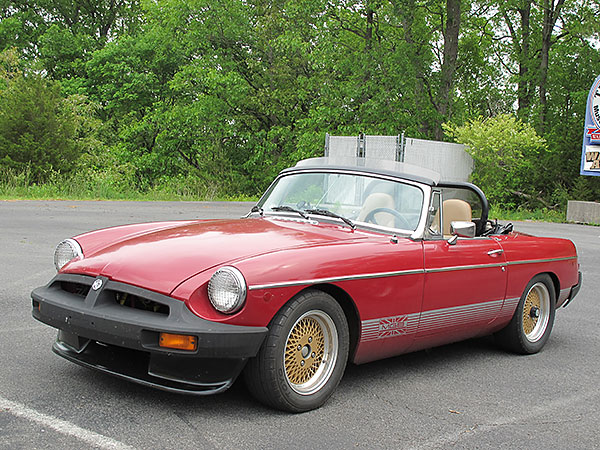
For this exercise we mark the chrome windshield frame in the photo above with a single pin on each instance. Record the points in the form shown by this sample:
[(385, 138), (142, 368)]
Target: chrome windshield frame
[(416, 234)]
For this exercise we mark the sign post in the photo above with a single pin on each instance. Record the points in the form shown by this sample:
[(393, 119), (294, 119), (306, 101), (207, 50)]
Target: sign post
[(590, 151)]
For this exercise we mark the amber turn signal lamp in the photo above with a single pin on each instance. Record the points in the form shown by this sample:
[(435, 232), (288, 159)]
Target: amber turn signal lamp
[(178, 341)]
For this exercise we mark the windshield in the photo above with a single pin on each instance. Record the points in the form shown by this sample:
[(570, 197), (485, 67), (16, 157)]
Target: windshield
[(360, 198)]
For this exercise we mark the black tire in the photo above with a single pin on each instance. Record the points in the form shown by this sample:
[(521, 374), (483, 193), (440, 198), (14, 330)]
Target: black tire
[(531, 325), (304, 355)]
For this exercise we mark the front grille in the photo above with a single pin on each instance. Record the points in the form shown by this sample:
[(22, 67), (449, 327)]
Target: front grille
[(136, 302), (78, 289)]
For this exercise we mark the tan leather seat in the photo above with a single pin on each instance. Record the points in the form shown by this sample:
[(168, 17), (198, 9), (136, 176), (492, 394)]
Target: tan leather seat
[(374, 201), (455, 210)]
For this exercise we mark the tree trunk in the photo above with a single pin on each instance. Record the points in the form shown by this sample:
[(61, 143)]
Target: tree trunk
[(404, 10), (521, 43), (524, 83), (551, 13), (451, 32), (369, 30)]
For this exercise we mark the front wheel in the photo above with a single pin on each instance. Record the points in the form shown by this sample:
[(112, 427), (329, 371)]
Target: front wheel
[(532, 322), (304, 355)]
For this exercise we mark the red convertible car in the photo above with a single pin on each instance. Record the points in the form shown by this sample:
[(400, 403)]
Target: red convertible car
[(339, 261)]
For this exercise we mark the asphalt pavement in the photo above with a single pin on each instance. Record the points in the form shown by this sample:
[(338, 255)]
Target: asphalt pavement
[(465, 395)]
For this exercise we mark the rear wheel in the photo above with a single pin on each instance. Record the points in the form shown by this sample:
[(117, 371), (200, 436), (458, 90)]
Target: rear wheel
[(304, 355), (532, 322)]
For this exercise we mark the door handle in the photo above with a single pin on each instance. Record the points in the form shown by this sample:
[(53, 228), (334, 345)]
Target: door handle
[(498, 251)]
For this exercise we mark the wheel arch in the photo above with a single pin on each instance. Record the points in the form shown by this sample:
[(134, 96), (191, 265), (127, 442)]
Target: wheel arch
[(348, 306), (530, 339), (555, 282)]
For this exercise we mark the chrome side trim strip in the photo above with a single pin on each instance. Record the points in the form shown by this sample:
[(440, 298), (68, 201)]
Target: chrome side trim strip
[(475, 266), (506, 263), (534, 261), (400, 272), (335, 279)]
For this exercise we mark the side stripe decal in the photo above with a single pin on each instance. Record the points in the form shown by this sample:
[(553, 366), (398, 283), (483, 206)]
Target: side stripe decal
[(459, 315), (436, 319), (385, 327), (510, 304)]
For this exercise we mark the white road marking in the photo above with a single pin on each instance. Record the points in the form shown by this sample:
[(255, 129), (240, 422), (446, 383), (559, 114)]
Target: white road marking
[(62, 426)]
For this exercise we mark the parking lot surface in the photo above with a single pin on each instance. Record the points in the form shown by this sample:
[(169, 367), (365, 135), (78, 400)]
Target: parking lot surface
[(465, 395)]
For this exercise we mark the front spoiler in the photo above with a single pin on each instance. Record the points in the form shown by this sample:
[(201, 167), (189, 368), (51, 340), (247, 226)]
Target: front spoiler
[(143, 368), (97, 332)]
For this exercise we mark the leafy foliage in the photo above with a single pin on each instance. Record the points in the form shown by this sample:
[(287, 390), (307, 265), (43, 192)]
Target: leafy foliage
[(222, 94), (507, 154), (40, 130)]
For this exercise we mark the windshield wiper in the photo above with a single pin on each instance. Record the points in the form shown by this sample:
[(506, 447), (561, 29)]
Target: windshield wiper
[(289, 209), (326, 212)]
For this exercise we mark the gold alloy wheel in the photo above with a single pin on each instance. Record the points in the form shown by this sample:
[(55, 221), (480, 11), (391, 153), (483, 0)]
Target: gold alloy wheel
[(536, 312), (310, 352)]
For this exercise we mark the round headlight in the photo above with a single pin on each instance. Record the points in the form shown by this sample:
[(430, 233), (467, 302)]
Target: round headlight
[(66, 251), (227, 290)]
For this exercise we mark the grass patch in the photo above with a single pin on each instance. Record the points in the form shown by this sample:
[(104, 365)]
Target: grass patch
[(110, 186), (95, 185), (45, 192), (522, 215)]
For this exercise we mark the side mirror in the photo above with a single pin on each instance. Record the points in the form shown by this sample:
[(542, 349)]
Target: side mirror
[(462, 229)]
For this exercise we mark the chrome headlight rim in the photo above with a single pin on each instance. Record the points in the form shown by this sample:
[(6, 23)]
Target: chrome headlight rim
[(233, 274), (76, 253)]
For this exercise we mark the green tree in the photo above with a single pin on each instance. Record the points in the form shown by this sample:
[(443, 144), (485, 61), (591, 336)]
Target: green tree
[(245, 87), (130, 78), (229, 92), (40, 130), (506, 152)]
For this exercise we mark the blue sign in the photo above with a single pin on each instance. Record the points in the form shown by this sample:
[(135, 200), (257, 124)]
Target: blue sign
[(590, 151)]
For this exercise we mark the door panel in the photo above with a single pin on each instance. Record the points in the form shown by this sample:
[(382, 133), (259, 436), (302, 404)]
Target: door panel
[(389, 306), (464, 289)]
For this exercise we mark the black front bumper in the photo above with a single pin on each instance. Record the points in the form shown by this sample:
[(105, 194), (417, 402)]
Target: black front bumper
[(121, 337), (574, 291)]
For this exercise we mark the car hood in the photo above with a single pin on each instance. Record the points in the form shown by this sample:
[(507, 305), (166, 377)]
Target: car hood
[(164, 255)]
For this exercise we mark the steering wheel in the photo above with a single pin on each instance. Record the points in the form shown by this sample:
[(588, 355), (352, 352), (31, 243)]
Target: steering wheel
[(399, 217), (303, 205)]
